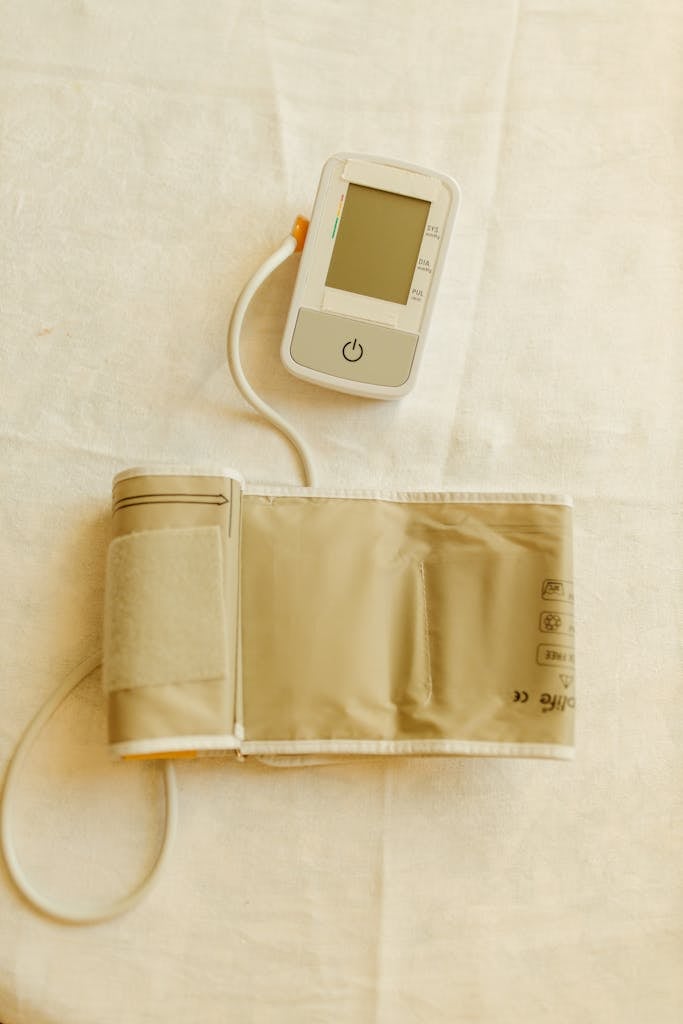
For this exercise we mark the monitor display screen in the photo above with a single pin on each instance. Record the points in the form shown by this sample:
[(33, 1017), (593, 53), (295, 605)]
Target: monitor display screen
[(378, 242)]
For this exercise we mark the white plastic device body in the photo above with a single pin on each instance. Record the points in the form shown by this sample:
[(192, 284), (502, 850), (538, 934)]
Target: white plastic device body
[(368, 275)]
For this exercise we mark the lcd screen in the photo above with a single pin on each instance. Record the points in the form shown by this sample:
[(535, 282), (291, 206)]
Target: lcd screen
[(378, 242)]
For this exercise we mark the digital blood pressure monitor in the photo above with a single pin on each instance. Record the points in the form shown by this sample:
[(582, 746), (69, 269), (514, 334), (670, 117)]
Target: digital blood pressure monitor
[(368, 275)]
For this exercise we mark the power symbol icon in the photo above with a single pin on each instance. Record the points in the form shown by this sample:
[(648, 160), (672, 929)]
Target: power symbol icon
[(352, 351)]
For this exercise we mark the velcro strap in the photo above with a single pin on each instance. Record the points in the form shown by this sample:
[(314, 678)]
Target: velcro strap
[(164, 608)]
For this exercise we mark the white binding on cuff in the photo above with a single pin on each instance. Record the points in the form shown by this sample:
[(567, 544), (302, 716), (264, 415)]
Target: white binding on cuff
[(425, 497)]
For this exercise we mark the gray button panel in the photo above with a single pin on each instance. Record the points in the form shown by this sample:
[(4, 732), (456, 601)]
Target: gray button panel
[(352, 349)]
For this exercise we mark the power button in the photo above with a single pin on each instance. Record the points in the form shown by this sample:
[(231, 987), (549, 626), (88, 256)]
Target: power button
[(349, 349), (352, 351)]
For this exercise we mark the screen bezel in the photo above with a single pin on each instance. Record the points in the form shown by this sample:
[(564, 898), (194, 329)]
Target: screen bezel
[(327, 214)]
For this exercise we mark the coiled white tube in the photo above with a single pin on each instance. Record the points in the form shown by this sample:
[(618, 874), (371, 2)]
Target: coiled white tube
[(57, 911)]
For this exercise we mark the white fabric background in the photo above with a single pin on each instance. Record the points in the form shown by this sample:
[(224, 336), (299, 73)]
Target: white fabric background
[(152, 154)]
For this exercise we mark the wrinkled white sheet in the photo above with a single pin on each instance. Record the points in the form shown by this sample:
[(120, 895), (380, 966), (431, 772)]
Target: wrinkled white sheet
[(152, 155)]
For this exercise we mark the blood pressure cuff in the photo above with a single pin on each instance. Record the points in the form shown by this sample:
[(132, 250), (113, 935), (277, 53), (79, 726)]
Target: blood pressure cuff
[(299, 623)]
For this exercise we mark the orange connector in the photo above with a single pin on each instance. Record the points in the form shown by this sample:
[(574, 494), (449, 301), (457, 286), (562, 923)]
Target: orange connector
[(299, 231)]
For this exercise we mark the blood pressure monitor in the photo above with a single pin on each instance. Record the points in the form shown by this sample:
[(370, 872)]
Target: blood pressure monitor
[(368, 275)]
